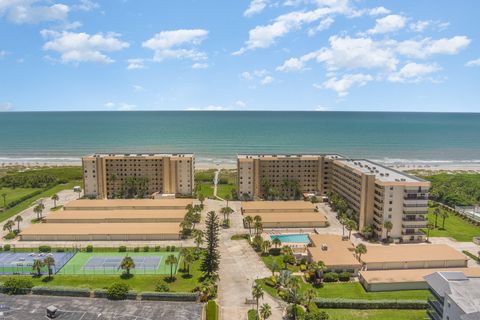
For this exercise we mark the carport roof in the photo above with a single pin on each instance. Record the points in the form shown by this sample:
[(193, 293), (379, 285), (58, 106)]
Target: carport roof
[(101, 228)]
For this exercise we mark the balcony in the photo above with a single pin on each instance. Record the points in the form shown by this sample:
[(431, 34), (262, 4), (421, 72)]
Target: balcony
[(415, 197), (436, 306), (433, 315), (414, 233), (414, 224)]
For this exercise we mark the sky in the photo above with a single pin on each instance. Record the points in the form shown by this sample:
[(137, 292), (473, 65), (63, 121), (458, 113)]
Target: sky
[(317, 55)]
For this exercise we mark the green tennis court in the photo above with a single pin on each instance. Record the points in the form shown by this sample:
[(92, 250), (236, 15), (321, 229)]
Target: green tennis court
[(91, 263)]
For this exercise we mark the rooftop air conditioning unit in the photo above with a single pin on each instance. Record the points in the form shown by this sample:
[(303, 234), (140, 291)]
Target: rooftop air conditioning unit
[(324, 247)]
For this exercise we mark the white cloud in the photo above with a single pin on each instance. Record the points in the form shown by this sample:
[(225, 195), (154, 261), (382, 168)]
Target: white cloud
[(342, 85), (323, 25), (170, 44), (240, 103), (211, 107), (135, 64), (413, 72), (321, 108), (292, 65), (120, 106), (378, 11), (256, 6), (473, 63), (390, 23), (6, 106), (83, 47), (266, 80), (138, 88), (199, 65), (420, 26), (427, 47), (86, 5), (32, 11), (260, 76), (3, 53)]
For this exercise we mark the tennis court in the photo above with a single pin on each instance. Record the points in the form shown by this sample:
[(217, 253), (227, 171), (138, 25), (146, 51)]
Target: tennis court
[(22, 262), (90, 263)]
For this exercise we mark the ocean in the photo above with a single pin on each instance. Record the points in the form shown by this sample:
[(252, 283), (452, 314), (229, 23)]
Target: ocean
[(388, 137)]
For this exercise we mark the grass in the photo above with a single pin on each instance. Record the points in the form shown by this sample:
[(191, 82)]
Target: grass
[(76, 264), (252, 314), (206, 189), (14, 194), (268, 260), (212, 310), (354, 290), (384, 314), (239, 237), (225, 189), (455, 227)]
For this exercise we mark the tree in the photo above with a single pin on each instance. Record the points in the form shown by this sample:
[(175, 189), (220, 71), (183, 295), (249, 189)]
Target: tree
[(49, 262), (258, 227), (436, 213), (294, 296), (288, 259), (171, 261), (274, 266), (266, 245), (198, 239), (4, 196), (265, 311), (350, 225), (38, 209), (360, 249), (9, 225), (257, 293), (310, 294), (249, 221), (430, 226), (201, 198), (37, 266), (211, 260), (367, 231), (443, 215), (276, 242), (55, 198), (18, 219), (388, 226), (226, 211), (127, 264), (343, 221), (188, 258), (228, 198)]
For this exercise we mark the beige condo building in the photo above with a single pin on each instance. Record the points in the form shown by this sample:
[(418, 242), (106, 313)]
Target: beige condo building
[(105, 175), (374, 192)]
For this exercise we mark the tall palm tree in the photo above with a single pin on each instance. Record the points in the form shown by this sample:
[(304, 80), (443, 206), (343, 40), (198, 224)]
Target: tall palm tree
[(351, 225), (388, 226), (276, 242), (444, 215), (436, 212), (55, 199), (37, 266), (49, 262), (4, 196), (188, 258), (266, 245), (258, 227), (201, 198), (274, 266), (198, 238), (360, 249), (9, 225), (257, 293), (249, 221), (430, 226), (367, 231), (343, 221), (265, 311), (310, 294), (38, 209), (227, 198), (171, 261), (127, 264), (18, 219)]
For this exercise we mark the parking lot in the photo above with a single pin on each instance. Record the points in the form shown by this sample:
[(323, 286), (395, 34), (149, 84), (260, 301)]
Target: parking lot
[(33, 307)]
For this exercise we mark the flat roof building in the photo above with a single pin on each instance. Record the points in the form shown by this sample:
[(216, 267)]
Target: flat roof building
[(455, 296), (128, 175), (128, 204), (115, 216), (101, 232), (290, 219), (277, 206), (412, 257)]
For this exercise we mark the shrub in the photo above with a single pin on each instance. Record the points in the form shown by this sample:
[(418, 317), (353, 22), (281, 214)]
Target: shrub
[(168, 248), (60, 250), (300, 312), (369, 304), (169, 296), (146, 249), (117, 291), (20, 285), (303, 267), (344, 276), (172, 248), (330, 277), (61, 291), (136, 249), (212, 310), (45, 249), (161, 287), (157, 248), (6, 247), (89, 248), (122, 249), (10, 236)]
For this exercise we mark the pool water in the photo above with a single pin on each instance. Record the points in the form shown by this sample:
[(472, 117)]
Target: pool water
[(298, 238)]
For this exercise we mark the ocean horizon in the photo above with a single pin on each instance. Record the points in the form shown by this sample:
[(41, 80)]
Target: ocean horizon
[(216, 136)]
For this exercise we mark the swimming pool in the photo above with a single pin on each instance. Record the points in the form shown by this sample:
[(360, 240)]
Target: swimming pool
[(297, 238)]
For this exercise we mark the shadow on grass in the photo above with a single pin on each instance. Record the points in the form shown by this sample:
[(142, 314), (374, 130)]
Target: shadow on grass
[(170, 279), (125, 276), (186, 276), (47, 279)]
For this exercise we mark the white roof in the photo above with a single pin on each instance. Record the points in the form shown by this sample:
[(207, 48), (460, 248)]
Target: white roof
[(381, 172)]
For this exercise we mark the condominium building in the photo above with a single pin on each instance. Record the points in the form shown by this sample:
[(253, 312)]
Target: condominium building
[(258, 175), (116, 175), (454, 296), (375, 193)]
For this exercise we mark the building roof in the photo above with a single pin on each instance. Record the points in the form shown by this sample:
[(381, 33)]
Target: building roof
[(410, 253), (137, 155), (276, 205), (411, 275), (287, 156), (101, 228), (115, 214), (269, 217), (338, 253), (128, 203)]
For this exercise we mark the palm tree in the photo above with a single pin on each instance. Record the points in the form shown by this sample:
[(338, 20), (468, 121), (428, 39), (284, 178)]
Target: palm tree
[(201, 198), (430, 226), (315, 267), (388, 226), (18, 219), (258, 223), (258, 227), (265, 311), (266, 245), (276, 242), (367, 231), (227, 198), (274, 267), (171, 261), (127, 264), (443, 215), (55, 199), (198, 238), (360, 249), (351, 225), (249, 221), (310, 294), (436, 212), (257, 293), (37, 266), (9, 226), (226, 212), (38, 209), (49, 262), (343, 221), (4, 196), (188, 258)]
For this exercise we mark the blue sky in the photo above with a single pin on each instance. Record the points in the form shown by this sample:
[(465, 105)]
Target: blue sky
[(320, 55)]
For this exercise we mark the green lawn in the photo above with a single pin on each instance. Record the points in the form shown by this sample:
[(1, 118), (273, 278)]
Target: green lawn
[(206, 189), (268, 260), (348, 314), (14, 194), (225, 189), (354, 290), (455, 227)]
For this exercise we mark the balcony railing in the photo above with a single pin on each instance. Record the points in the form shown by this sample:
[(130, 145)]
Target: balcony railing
[(419, 225), (433, 315), (415, 233), (415, 198), (436, 305)]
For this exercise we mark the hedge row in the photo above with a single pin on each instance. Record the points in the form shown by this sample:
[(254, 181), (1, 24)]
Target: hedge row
[(61, 291), (13, 203), (168, 296), (370, 304), (471, 255)]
